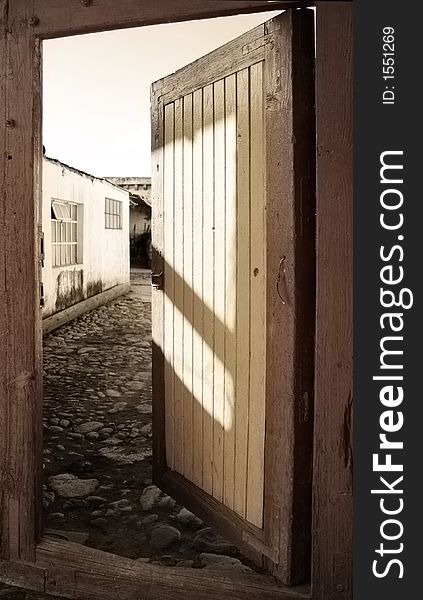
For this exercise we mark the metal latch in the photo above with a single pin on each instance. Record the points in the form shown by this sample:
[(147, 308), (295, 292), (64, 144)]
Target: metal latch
[(42, 297), (42, 248), (157, 280)]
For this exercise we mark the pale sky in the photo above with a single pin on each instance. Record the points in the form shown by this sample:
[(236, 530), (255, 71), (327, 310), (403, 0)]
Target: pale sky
[(97, 89)]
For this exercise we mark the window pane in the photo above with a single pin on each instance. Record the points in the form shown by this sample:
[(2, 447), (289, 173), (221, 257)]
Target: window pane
[(66, 211), (74, 213), (74, 232)]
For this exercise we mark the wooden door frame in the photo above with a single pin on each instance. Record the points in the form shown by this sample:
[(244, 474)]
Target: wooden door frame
[(72, 570)]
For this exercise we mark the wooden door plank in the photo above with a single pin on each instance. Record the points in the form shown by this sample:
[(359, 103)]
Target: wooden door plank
[(188, 287), (208, 288), (20, 317), (257, 272), (230, 289), (290, 290), (169, 280), (198, 288), (178, 298), (158, 300), (65, 17), (219, 286), (243, 290), (332, 487)]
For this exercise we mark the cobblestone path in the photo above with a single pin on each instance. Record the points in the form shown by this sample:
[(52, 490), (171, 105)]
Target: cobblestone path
[(97, 447)]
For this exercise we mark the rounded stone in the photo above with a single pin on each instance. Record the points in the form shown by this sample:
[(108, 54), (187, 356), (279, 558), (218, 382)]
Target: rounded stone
[(148, 520), (67, 485), (89, 427), (164, 536), (166, 503), (55, 429), (149, 496), (188, 519)]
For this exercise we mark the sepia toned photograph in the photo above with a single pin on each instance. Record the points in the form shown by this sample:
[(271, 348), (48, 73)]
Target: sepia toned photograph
[(176, 300)]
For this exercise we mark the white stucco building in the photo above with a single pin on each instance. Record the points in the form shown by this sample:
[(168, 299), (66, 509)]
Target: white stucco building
[(139, 189), (85, 222)]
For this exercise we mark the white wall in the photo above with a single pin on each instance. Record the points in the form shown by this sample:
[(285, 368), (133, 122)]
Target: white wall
[(104, 253)]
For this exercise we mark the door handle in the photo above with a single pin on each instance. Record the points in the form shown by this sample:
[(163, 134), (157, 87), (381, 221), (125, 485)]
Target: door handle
[(157, 280)]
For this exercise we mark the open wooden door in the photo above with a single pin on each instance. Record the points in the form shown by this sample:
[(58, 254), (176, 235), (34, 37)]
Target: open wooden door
[(234, 288)]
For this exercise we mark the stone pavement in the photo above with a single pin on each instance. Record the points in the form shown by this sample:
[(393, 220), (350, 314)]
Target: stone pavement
[(97, 446)]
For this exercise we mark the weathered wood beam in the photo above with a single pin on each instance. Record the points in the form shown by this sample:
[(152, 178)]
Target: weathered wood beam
[(55, 18), (332, 505), (82, 572), (20, 317)]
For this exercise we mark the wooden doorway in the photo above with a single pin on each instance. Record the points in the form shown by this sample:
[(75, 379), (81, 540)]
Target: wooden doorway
[(27, 558)]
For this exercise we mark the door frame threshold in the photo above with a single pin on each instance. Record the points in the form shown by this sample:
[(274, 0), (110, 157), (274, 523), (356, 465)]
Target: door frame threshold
[(73, 571)]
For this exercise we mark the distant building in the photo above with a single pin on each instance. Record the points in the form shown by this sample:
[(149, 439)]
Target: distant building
[(85, 221), (139, 189)]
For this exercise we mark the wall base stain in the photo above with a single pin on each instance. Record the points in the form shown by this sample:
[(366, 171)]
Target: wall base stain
[(94, 288), (69, 288)]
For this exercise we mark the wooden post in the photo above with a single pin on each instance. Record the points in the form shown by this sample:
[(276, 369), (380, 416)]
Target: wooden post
[(332, 495), (20, 318)]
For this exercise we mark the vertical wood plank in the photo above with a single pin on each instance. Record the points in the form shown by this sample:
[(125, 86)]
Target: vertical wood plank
[(158, 298), (230, 288), (188, 288), (243, 290), (208, 290), (5, 475), (332, 485), (178, 300), (219, 286), (290, 134), (20, 317), (169, 279), (198, 288), (256, 413)]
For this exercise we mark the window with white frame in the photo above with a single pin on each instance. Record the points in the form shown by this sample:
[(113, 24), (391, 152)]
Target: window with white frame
[(113, 214), (64, 233)]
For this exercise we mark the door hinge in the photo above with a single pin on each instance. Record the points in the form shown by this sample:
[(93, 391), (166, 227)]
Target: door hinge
[(42, 248), (157, 280), (42, 297)]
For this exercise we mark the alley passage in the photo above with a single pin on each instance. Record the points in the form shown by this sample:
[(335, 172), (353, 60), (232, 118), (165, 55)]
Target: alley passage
[(97, 445)]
